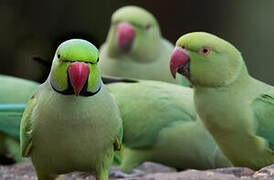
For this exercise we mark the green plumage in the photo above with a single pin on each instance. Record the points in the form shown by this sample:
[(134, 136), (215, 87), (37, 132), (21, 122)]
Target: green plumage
[(149, 53), (10, 116), (62, 132), (263, 107), (237, 109), (161, 125), (14, 93), (15, 90)]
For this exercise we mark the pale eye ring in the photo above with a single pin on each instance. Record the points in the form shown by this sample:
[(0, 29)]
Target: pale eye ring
[(205, 51)]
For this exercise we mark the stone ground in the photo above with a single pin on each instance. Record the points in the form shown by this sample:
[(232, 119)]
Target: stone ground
[(148, 171)]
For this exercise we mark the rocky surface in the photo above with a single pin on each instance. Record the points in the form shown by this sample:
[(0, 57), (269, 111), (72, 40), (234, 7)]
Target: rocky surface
[(147, 171)]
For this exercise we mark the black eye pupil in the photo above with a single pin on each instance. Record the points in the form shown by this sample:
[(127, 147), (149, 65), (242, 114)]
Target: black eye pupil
[(205, 50), (58, 56), (98, 60)]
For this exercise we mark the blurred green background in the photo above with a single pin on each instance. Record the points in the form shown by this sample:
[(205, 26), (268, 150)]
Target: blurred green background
[(32, 28)]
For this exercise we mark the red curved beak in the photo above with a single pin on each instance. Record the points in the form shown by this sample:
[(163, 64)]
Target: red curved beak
[(78, 75), (179, 59), (125, 36)]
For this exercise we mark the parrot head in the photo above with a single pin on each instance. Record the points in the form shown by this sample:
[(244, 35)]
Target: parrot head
[(206, 60), (133, 32), (74, 68)]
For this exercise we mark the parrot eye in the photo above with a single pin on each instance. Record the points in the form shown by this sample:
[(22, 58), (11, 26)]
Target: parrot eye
[(147, 27), (204, 51), (59, 57)]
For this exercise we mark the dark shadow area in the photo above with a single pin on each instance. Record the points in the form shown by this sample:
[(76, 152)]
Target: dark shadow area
[(35, 28)]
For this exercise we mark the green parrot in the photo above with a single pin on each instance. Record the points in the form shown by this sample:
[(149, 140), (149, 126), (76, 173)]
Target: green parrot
[(14, 93), (135, 48), (237, 109), (160, 125), (15, 90), (72, 122)]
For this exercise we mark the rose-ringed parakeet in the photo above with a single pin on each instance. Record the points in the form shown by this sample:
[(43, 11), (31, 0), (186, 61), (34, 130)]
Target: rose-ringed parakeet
[(71, 123), (161, 125), (237, 109), (14, 92), (135, 48)]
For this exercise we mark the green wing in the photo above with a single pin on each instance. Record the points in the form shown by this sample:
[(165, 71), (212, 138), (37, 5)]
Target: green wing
[(147, 108), (26, 129), (263, 108), (10, 117)]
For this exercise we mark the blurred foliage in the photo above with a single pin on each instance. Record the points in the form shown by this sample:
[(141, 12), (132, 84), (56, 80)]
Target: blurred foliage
[(32, 28)]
